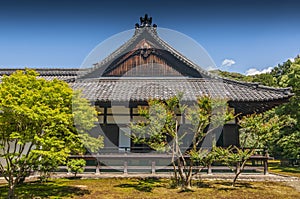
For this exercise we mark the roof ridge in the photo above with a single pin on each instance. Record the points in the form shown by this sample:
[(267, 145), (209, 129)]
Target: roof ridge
[(286, 90), (179, 55), (111, 56), (46, 69), (175, 79)]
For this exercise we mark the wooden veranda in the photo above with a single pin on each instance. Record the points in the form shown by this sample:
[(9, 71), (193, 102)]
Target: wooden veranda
[(126, 162)]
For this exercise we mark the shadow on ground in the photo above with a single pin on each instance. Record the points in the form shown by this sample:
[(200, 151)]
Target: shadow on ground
[(228, 186), (40, 190), (144, 185)]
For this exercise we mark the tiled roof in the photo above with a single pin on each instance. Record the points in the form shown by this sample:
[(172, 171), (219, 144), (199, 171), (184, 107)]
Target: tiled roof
[(64, 74), (143, 89), (244, 97)]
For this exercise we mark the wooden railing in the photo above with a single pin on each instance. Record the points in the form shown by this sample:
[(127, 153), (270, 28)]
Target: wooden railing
[(126, 157)]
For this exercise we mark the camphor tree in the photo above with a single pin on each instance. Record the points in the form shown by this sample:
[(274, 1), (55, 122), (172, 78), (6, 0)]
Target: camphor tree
[(160, 131), (37, 125)]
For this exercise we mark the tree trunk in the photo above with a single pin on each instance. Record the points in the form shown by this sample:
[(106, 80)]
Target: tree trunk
[(174, 164), (237, 173), (181, 172), (239, 169), (21, 179), (187, 185), (11, 188), (175, 173), (188, 180), (236, 177), (185, 178)]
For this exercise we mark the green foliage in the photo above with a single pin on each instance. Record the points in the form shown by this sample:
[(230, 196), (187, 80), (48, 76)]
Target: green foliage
[(159, 130), (46, 165), (256, 131), (285, 143), (204, 157), (76, 166), (159, 124), (37, 128), (233, 155), (208, 111), (84, 118), (259, 130), (289, 139), (235, 158), (233, 75)]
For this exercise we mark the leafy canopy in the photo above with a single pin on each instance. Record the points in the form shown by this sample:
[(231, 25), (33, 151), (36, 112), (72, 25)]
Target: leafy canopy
[(284, 144), (37, 124)]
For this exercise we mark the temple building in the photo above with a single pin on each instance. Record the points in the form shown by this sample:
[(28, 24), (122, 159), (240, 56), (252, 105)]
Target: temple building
[(146, 67)]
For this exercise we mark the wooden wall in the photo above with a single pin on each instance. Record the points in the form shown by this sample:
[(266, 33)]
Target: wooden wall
[(140, 66)]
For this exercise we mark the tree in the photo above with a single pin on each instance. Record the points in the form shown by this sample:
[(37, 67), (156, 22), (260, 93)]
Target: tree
[(37, 124), (286, 143), (160, 131), (233, 157), (256, 131), (289, 139), (45, 166), (76, 166), (206, 117), (160, 125)]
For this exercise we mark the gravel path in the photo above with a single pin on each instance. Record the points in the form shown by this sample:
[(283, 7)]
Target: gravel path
[(291, 181), (295, 184)]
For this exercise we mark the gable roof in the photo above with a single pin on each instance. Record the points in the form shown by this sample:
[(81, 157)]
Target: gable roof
[(145, 35)]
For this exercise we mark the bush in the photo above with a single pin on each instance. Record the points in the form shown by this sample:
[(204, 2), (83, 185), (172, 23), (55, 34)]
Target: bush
[(76, 166)]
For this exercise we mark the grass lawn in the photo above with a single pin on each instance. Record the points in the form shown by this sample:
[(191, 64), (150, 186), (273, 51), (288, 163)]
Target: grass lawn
[(275, 167), (150, 188)]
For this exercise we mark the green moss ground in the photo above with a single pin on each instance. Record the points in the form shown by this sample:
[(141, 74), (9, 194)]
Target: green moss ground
[(150, 188)]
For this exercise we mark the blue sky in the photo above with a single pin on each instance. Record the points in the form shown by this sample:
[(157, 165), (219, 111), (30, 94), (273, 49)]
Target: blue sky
[(247, 33)]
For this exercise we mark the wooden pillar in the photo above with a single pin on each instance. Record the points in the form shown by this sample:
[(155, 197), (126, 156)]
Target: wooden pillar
[(153, 167), (98, 167), (209, 170), (238, 168), (125, 167), (266, 171), (237, 130), (105, 116), (131, 114)]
